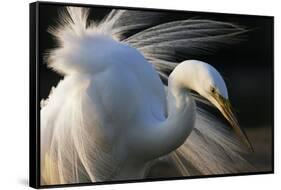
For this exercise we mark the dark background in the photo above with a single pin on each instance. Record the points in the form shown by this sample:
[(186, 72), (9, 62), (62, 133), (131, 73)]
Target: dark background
[(247, 68)]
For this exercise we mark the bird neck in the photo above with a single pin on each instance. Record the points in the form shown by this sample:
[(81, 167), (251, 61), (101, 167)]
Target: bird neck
[(176, 97), (180, 119), (181, 106), (160, 137)]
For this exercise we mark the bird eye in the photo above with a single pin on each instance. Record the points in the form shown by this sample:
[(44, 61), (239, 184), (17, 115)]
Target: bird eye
[(213, 89)]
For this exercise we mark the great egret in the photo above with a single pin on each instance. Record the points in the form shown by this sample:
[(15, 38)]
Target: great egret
[(111, 118)]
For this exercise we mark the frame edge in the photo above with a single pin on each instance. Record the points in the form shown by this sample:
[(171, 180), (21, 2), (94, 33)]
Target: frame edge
[(34, 142)]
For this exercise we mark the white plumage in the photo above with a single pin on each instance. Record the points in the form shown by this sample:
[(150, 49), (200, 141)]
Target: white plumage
[(111, 117)]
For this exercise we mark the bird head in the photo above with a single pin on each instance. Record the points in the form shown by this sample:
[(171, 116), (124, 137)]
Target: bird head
[(207, 82)]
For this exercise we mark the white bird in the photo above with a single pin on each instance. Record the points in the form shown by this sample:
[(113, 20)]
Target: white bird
[(112, 118)]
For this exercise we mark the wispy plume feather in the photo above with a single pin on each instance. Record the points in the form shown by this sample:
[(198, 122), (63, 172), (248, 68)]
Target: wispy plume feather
[(72, 21)]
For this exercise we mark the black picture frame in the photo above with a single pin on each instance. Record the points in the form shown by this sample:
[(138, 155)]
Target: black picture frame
[(34, 98)]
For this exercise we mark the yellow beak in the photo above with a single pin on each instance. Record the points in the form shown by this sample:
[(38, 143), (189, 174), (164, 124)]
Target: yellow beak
[(225, 109)]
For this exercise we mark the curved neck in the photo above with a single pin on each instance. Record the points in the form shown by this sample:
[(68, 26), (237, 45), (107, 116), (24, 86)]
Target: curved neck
[(177, 97), (181, 114), (163, 137)]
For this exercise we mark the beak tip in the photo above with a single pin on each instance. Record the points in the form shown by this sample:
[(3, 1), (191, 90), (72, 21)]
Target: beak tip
[(250, 147), (225, 109)]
